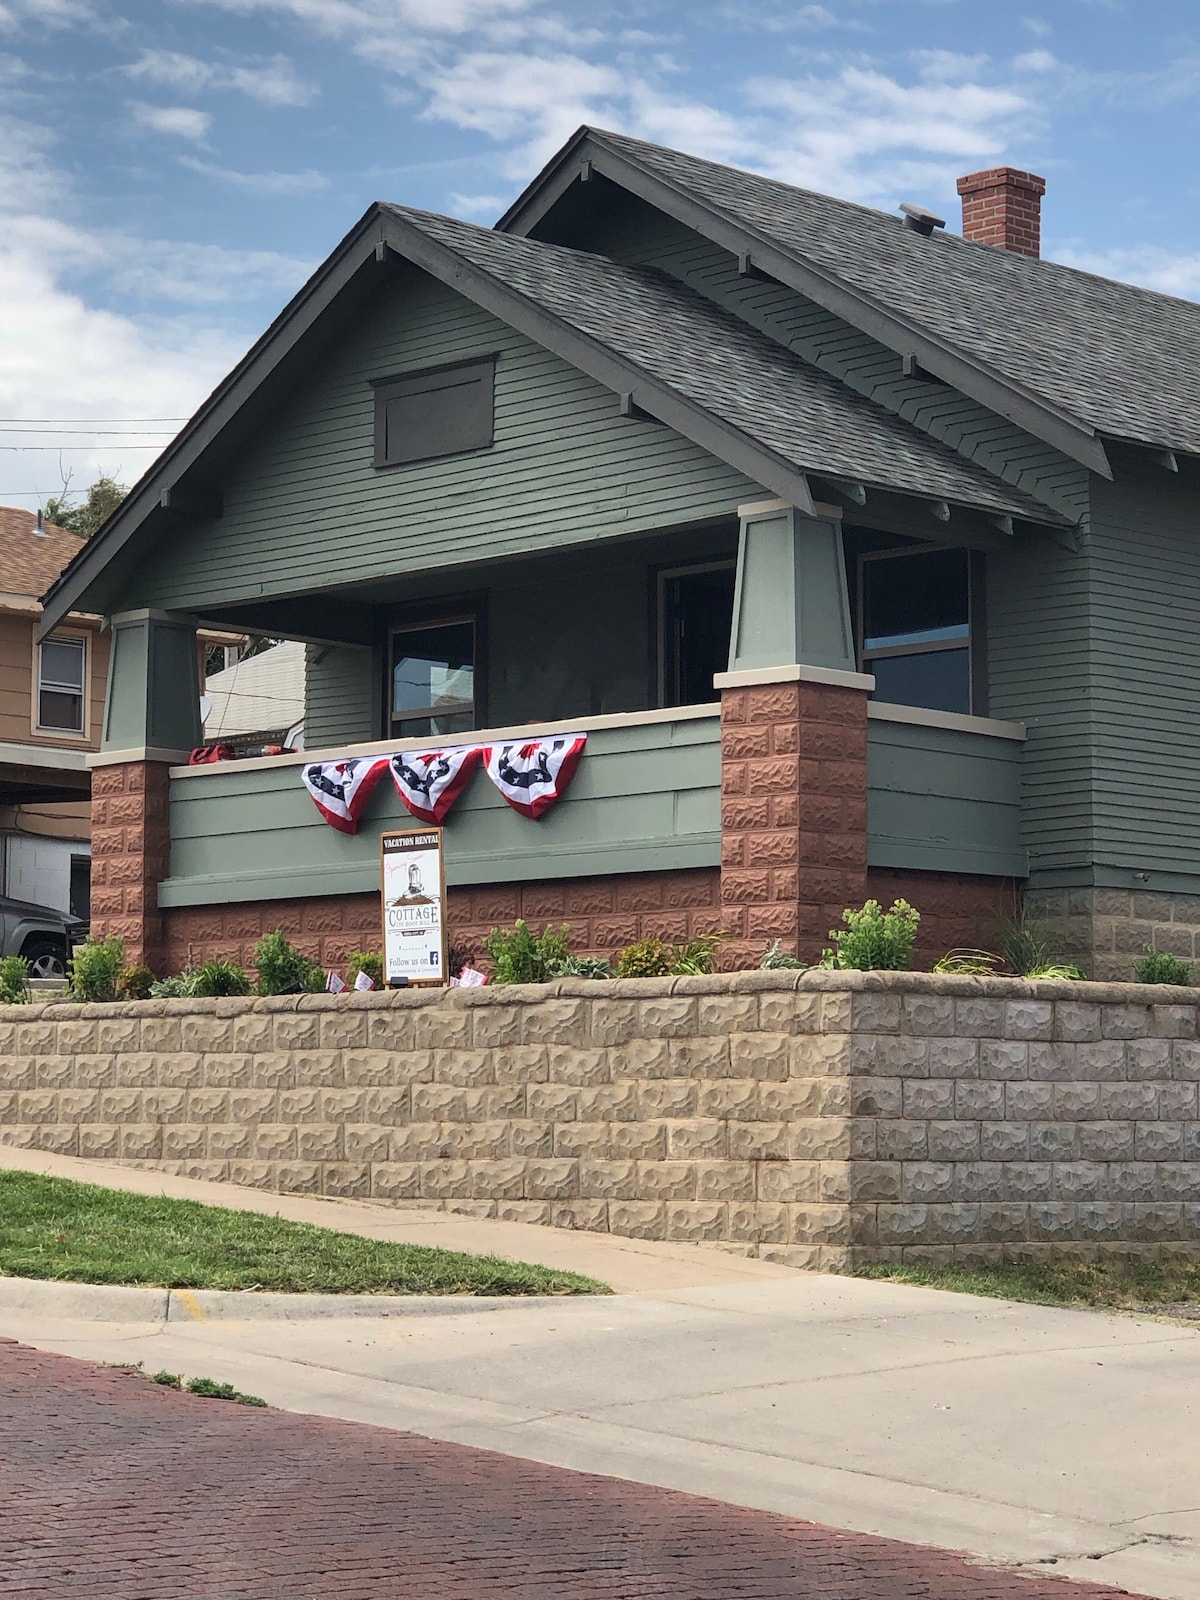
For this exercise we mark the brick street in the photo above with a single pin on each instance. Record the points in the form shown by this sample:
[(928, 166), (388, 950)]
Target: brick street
[(112, 1488)]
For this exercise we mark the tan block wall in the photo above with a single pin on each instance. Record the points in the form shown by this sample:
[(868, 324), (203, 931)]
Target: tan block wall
[(825, 1119)]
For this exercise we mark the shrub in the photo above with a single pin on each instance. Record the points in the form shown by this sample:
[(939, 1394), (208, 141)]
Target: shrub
[(874, 940), (648, 958), (95, 968), (580, 967), (970, 963), (180, 987), (14, 980), (282, 969), (136, 982), (459, 956), (370, 962), (776, 959), (1158, 967), (696, 957), (1061, 969), (517, 956), (216, 979), (1028, 946)]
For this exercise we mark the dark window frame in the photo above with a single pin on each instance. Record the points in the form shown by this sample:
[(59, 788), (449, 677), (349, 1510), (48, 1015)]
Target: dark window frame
[(435, 614), (430, 380), (660, 575), (975, 642)]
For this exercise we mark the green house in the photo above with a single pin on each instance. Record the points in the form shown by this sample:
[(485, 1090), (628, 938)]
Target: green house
[(862, 553)]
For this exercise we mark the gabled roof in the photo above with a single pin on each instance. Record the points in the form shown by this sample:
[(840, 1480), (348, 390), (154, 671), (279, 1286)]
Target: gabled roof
[(31, 560), (1124, 359), (768, 394), (1068, 355)]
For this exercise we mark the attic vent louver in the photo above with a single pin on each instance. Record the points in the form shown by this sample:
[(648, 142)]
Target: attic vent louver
[(920, 220)]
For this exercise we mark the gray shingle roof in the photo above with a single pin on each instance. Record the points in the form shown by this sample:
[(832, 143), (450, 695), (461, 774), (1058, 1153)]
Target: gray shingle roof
[(1123, 359), (712, 358)]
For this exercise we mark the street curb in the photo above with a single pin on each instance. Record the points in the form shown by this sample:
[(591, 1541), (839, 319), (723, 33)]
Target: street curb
[(102, 1302)]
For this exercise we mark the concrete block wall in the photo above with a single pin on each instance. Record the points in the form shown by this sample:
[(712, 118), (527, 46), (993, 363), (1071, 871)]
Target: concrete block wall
[(824, 1119)]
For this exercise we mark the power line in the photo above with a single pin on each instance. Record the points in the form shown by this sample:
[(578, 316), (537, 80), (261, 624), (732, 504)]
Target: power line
[(82, 421), (88, 433), (21, 448)]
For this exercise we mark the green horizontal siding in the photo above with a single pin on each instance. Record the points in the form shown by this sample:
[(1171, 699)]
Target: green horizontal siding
[(943, 800), (341, 696), (644, 799), (306, 509)]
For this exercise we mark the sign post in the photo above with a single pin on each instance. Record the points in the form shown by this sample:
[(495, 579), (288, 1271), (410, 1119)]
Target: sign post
[(414, 898)]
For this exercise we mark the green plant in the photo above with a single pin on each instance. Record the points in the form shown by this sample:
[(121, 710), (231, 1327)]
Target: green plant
[(696, 957), (580, 967), (215, 979), (210, 1389), (169, 1380), (459, 956), (282, 969), (136, 982), (648, 958), (95, 968), (970, 963), (1156, 966), (180, 987), (518, 956), (370, 962), (1027, 945), (874, 940), (1060, 969), (14, 980), (776, 959)]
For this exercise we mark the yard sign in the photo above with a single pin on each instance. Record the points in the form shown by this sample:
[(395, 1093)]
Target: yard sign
[(414, 896)]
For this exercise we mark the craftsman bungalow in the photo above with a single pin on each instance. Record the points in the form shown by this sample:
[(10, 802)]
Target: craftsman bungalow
[(864, 554)]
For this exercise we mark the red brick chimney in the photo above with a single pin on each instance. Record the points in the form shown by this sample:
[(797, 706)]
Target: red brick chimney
[(1003, 206)]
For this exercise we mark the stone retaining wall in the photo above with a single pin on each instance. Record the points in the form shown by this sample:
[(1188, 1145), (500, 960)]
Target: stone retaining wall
[(824, 1119)]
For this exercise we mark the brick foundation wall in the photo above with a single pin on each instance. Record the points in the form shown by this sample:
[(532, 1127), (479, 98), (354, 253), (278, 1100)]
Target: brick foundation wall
[(131, 855), (821, 1119), (604, 915)]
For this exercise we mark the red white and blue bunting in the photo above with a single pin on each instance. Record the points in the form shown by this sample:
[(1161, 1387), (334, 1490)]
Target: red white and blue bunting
[(531, 774)]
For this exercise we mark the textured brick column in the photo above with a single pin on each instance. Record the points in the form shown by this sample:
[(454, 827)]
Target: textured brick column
[(131, 854), (793, 809)]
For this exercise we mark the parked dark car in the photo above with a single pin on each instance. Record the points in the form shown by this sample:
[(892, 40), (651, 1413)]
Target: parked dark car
[(43, 936)]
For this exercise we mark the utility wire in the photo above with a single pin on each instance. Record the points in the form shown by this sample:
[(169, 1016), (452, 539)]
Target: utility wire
[(89, 433), (81, 421)]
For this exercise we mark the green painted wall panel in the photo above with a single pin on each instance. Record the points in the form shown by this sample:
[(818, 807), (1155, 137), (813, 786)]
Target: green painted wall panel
[(306, 509), (342, 694)]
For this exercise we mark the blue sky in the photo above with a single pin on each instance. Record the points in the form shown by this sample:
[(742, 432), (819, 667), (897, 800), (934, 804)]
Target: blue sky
[(171, 170)]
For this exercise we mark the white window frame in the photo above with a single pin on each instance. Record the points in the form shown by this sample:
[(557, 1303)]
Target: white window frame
[(62, 636)]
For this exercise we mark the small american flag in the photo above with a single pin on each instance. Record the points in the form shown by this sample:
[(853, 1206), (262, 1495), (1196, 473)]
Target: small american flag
[(363, 982), (333, 983)]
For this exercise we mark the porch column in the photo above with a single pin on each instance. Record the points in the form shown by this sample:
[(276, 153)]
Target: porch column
[(793, 740), (151, 722)]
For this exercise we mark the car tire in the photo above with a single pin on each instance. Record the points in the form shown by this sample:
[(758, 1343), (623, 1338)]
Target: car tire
[(46, 957)]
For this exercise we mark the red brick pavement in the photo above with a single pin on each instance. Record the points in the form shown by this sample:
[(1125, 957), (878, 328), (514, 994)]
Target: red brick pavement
[(114, 1489)]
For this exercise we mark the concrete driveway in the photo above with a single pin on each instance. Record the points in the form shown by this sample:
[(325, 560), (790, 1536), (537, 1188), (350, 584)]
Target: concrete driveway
[(1065, 1439)]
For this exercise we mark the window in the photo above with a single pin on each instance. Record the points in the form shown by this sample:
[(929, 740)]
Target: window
[(915, 626), (443, 412), (61, 677), (432, 678), (695, 618)]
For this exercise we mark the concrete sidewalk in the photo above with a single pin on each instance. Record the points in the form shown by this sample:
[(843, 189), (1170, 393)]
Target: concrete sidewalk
[(1061, 1439), (626, 1265)]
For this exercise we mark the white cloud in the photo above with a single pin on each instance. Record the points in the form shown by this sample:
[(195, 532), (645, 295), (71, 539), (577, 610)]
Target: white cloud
[(179, 122), (1037, 61), (381, 29), (1153, 266), (272, 81), (755, 16), (282, 183), (51, 14), (1037, 26), (478, 205)]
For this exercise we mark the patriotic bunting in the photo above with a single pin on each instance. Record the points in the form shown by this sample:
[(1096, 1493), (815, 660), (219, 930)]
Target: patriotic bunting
[(430, 781), (534, 774), (531, 775), (341, 789)]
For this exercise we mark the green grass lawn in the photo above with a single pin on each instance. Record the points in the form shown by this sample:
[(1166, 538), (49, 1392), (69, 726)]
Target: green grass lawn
[(81, 1233), (1168, 1290)]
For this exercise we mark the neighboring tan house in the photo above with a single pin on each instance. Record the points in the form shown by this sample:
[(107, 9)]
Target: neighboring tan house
[(259, 700), (51, 712), (864, 554)]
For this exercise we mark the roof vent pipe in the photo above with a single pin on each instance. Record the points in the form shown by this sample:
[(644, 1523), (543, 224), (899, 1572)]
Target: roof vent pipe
[(920, 220), (41, 529)]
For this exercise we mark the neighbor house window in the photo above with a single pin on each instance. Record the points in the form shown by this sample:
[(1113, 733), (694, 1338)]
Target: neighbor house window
[(432, 678), (915, 626), (695, 617), (442, 412), (62, 664)]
